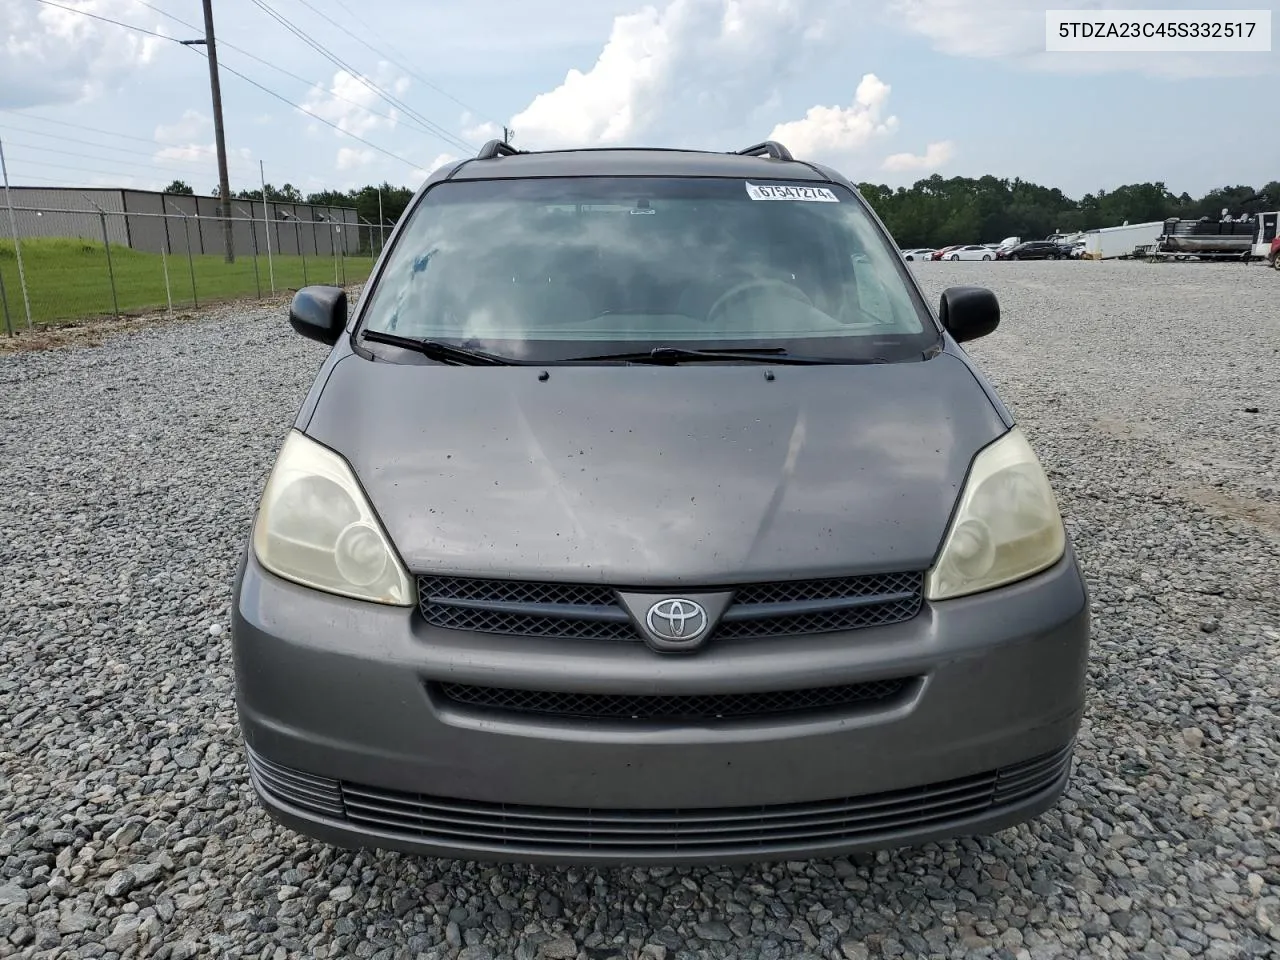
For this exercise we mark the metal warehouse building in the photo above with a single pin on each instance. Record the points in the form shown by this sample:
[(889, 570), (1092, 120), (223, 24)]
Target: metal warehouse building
[(153, 222)]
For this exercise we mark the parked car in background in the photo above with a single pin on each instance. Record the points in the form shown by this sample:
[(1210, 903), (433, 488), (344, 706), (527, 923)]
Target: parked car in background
[(974, 251), (1035, 250), (1077, 250), (597, 540), (942, 253), (918, 253), (1273, 257)]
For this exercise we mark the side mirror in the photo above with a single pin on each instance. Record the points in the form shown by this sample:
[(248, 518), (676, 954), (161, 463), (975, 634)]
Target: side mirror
[(319, 313), (968, 313)]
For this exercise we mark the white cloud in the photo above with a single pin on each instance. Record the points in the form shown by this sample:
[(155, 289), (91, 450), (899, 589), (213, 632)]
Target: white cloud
[(683, 73), (935, 155), (479, 132), (350, 158), (421, 173), (992, 28), (1015, 30), (348, 99), (832, 133), (126, 181), (49, 55), (200, 151), (192, 124)]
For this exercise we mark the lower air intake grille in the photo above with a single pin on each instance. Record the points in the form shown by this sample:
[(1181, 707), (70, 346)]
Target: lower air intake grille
[(764, 830), (700, 707)]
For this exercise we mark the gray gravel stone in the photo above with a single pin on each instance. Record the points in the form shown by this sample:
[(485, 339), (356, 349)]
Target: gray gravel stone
[(559, 948), (131, 473), (121, 882), (77, 921), (13, 895)]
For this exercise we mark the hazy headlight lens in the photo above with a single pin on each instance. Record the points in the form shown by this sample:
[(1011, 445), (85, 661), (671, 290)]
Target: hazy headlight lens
[(360, 555), (973, 551), (315, 527), (1007, 526)]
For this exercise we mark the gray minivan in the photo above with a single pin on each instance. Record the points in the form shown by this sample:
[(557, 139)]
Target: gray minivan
[(644, 511)]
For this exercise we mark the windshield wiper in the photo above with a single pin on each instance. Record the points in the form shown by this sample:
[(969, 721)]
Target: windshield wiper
[(435, 350), (674, 355)]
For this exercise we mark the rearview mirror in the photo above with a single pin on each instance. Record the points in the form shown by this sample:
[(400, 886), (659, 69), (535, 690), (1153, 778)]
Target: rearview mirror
[(319, 313), (968, 313)]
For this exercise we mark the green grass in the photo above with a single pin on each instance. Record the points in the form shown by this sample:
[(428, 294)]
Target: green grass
[(67, 279)]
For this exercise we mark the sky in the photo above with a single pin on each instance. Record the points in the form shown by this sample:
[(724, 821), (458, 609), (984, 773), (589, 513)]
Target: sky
[(350, 93)]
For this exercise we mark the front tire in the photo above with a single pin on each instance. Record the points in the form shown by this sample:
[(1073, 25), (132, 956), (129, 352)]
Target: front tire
[(987, 257), (1275, 261)]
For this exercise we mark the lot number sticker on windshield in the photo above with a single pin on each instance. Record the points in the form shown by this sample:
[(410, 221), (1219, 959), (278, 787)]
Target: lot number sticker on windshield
[(776, 192)]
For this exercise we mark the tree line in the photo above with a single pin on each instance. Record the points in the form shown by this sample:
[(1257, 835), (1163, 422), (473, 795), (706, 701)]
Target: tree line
[(937, 211), (365, 199), (930, 213)]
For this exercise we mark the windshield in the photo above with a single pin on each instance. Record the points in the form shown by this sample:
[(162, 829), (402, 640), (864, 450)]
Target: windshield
[(554, 268)]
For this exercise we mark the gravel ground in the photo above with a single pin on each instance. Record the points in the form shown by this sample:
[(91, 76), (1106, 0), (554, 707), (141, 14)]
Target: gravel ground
[(127, 826)]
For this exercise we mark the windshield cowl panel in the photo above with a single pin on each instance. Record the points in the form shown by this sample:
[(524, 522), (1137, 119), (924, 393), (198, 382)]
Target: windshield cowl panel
[(551, 269)]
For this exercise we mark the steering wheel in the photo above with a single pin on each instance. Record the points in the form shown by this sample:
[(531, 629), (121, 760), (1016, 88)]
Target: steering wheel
[(738, 289)]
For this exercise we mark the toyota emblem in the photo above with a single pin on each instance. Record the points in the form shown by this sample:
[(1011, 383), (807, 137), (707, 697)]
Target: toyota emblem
[(676, 621)]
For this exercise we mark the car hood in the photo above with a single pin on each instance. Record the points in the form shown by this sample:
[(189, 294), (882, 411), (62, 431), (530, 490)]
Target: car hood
[(651, 476)]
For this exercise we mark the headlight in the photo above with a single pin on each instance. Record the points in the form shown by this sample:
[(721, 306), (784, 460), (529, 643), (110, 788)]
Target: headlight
[(315, 527), (1007, 526)]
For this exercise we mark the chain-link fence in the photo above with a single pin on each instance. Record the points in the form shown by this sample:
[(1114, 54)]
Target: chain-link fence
[(59, 265)]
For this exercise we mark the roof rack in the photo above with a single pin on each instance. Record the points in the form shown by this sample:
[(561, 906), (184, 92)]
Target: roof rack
[(496, 148), (771, 148)]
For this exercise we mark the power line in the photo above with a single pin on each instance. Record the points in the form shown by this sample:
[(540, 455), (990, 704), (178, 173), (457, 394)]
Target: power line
[(315, 116), (311, 83), (66, 166), (105, 146), (69, 183), (157, 164), (237, 73), (74, 126), (267, 63), (314, 83), (386, 56), (94, 16), (329, 55), (165, 13)]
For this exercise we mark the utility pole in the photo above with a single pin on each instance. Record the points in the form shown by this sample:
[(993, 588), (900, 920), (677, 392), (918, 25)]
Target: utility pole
[(266, 223), (224, 185), (17, 244)]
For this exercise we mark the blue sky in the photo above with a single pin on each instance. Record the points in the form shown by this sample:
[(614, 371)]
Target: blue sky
[(886, 90)]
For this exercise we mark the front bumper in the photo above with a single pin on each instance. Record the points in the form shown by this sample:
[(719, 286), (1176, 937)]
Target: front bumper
[(347, 744)]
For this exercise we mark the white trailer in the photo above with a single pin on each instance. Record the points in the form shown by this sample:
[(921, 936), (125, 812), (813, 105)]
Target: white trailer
[(1268, 227), (1108, 243)]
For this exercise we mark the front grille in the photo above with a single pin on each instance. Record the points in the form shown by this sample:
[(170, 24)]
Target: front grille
[(673, 707), (568, 611), (592, 612), (760, 829)]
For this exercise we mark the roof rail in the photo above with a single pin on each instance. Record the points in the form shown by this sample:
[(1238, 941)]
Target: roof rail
[(770, 147), (496, 148)]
